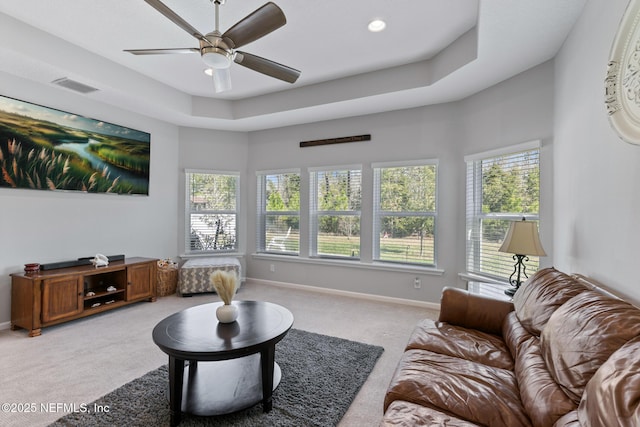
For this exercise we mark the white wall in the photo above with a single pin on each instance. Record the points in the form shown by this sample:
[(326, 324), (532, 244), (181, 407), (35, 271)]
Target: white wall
[(44, 226), (597, 175), (514, 111)]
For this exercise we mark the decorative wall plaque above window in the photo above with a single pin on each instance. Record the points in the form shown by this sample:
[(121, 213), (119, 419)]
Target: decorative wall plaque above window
[(622, 83)]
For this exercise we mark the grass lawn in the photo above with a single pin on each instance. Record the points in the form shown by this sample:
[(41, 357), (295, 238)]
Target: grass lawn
[(408, 249)]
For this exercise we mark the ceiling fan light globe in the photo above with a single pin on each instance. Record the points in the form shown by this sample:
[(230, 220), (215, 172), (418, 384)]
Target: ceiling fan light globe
[(216, 58), (221, 80)]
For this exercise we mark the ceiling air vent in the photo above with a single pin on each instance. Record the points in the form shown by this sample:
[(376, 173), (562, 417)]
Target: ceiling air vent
[(74, 85)]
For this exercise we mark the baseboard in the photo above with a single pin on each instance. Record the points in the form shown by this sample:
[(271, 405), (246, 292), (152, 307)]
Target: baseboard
[(370, 297), (5, 325)]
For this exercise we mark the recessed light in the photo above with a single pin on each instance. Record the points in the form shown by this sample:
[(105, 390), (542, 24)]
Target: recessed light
[(377, 25)]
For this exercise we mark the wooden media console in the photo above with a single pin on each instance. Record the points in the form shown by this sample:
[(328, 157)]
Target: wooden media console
[(46, 298)]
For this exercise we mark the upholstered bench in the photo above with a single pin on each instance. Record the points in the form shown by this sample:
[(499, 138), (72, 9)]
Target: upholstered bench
[(194, 276)]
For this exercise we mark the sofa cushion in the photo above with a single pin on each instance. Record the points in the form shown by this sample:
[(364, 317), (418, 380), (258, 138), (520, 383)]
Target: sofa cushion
[(582, 334), (541, 295), (460, 342), (514, 334), (568, 420), (473, 311), (612, 396), (459, 387), (407, 414), (542, 398)]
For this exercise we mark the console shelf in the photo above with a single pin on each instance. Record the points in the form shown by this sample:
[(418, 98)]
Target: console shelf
[(46, 298), (105, 293)]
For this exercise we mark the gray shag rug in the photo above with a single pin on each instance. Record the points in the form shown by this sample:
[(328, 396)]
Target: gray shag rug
[(321, 376)]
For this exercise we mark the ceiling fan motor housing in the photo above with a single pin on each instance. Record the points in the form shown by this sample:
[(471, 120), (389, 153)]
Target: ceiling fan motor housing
[(215, 53)]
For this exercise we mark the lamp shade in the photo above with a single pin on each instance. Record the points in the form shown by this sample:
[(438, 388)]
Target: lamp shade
[(522, 239)]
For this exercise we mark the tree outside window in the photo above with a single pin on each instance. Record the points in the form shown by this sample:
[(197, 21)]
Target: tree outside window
[(405, 213), (335, 212), (211, 212), (279, 212)]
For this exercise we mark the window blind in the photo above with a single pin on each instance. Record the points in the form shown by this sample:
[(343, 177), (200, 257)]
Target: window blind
[(405, 212), (335, 212), (501, 188), (278, 229), (211, 211)]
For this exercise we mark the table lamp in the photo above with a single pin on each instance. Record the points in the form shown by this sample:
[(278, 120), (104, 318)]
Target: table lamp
[(522, 240)]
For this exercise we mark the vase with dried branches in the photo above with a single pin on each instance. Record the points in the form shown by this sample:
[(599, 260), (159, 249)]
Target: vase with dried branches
[(225, 284)]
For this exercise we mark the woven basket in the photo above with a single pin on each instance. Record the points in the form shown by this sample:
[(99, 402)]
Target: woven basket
[(167, 281)]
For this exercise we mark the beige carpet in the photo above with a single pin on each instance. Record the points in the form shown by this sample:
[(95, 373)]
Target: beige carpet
[(77, 362)]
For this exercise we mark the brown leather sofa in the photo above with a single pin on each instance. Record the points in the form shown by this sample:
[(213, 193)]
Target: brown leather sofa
[(564, 353)]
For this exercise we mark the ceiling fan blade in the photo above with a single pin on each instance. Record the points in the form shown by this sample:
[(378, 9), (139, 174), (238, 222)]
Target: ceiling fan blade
[(257, 24), (266, 66), (175, 18), (163, 51)]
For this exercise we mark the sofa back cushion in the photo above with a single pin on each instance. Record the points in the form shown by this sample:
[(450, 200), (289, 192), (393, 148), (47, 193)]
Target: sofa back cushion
[(582, 334), (543, 399), (612, 397), (541, 396), (541, 295)]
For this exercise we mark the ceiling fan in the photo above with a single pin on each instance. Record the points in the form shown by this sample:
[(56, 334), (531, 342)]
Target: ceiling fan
[(218, 50)]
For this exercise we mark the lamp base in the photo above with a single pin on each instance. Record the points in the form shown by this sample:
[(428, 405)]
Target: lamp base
[(518, 268), (510, 292)]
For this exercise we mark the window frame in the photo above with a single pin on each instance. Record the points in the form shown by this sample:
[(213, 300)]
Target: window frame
[(379, 213), (189, 212), (315, 213), (262, 213), (474, 206)]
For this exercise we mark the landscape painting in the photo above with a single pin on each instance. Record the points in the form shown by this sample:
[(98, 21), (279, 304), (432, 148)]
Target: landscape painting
[(47, 149)]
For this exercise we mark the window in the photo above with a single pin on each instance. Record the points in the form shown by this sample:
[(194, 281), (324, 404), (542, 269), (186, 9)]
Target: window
[(502, 186), (335, 212), (405, 212), (211, 211), (279, 212)]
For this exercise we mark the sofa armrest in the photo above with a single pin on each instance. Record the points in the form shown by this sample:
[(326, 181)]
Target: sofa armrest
[(472, 311)]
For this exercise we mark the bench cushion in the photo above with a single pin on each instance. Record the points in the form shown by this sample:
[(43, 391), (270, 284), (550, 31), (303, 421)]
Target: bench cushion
[(195, 274)]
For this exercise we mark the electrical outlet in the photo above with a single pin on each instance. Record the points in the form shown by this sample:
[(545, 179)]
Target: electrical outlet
[(272, 268), (417, 283)]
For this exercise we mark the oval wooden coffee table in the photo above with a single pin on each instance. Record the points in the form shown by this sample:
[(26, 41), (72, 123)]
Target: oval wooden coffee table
[(243, 371)]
